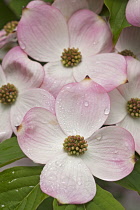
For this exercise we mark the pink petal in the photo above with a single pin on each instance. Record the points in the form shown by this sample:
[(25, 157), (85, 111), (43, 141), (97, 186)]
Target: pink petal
[(82, 108), (21, 71), (5, 124), (110, 154), (5, 39), (108, 70), (56, 76), (68, 7), (128, 40), (42, 32), (133, 126), (29, 99), (40, 136), (68, 179), (89, 33), (133, 12), (117, 108), (95, 5)]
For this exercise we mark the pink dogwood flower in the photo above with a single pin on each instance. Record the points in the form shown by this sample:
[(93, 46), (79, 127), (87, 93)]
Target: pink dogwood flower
[(127, 44), (70, 48), (125, 103), (20, 79), (72, 147), (8, 33), (133, 12), (69, 7)]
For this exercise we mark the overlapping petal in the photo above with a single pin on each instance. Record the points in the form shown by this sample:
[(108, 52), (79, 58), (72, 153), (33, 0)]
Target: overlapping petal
[(2, 77), (40, 136), (128, 40), (89, 33), (133, 12), (56, 76), (21, 71), (5, 124), (82, 108), (133, 69), (29, 99), (5, 39), (110, 154), (68, 179), (68, 7), (96, 6), (132, 125), (108, 70), (118, 109), (42, 33)]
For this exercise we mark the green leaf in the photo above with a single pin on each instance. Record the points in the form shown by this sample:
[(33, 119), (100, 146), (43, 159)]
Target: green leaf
[(102, 201), (46, 204), (10, 151), (117, 17), (132, 181), (19, 188), (6, 14), (17, 5)]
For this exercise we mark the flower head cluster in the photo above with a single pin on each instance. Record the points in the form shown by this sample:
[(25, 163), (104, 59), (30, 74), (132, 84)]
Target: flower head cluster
[(56, 88)]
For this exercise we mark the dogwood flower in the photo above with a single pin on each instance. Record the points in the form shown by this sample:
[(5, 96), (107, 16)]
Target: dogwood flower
[(133, 12), (127, 44), (72, 147), (8, 33), (20, 79), (69, 7), (70, 48), (125, 103)]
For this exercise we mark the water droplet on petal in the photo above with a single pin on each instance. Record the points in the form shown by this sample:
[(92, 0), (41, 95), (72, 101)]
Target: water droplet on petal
[(106, 111), (22, 45), (116, 152), (86, 103), (98, 137)]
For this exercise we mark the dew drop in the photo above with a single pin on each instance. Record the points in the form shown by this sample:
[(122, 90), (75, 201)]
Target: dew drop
[(22, 45), (106, 111), (116, 152), (98, 137), (86, 103)]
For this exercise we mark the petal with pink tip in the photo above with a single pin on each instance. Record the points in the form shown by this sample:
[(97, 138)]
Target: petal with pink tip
[(108, 70), (29, 99), (68, 179), (89, 33), (133, 12), (42, 33), (21, 71), (5, 124), (110, 154), (40, 136), (96, 6), (128, 40), (68, 7), (56, 76), (82, 108), (5, 39), (133, 126), (118, 109)]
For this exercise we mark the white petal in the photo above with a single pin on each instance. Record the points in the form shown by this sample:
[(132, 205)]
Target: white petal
[(68, 179)]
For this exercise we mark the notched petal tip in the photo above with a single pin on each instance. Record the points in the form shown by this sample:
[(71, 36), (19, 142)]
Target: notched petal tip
[(87, 78), (24, 9), (19, 127), (133, 159)]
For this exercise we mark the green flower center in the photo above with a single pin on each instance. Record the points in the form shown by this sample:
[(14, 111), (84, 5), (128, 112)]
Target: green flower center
[(10, 27), (127, 53), (71, 57), (133, 107), (75, 145), (8, 94)]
